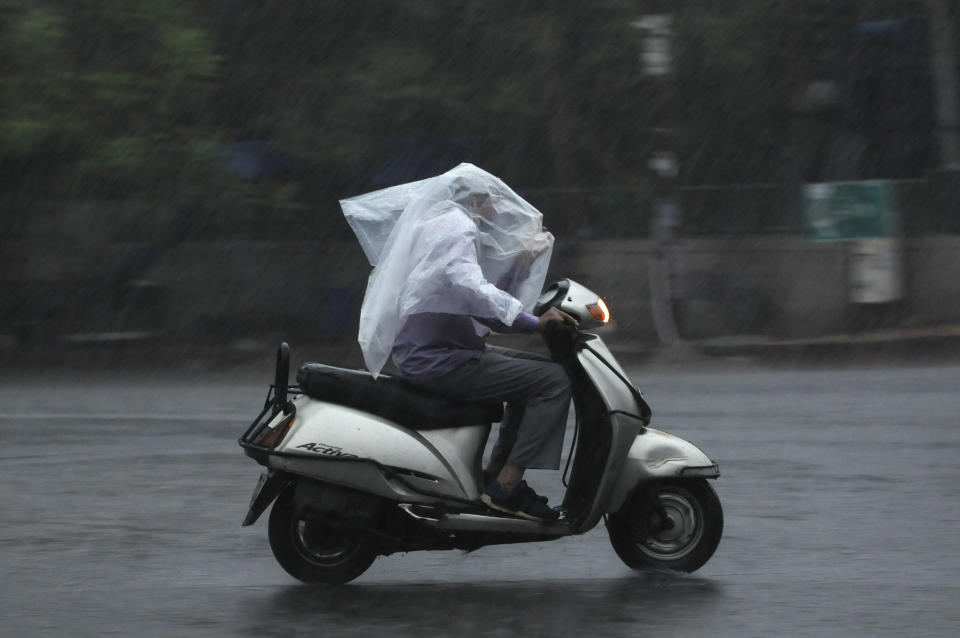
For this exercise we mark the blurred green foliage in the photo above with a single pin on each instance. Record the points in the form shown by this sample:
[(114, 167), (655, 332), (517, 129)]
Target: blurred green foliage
[(136, 105), (106, 101), (128, 128)]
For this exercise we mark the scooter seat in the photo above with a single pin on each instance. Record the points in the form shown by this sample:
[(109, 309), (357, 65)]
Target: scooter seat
[(392, 398)]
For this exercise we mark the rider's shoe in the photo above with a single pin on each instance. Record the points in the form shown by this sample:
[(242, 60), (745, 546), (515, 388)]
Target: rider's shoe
[(521, 501)]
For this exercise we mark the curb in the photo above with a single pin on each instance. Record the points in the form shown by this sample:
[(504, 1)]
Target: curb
[(939, 341)]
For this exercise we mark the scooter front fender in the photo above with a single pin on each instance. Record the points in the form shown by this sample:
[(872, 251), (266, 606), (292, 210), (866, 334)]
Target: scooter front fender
[(654, 455)]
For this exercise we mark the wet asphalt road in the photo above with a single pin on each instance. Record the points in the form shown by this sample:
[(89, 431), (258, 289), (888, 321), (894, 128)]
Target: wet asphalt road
[(122, 496)]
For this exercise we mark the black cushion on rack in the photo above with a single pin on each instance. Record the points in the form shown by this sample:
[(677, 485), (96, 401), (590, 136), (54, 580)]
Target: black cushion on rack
[(392, 398)]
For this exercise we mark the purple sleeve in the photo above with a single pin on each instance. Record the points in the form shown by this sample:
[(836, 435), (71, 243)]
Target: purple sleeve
[(525, 323)]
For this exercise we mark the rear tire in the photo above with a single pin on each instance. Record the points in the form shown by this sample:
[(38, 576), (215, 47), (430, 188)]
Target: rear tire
[(314, 551), (640, 539)]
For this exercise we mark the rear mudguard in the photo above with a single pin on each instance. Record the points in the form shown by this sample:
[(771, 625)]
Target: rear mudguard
[(655, 455), (271, 484)]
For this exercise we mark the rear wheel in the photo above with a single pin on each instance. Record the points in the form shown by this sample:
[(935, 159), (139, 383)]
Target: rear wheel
[(314, 551), (673, 524)]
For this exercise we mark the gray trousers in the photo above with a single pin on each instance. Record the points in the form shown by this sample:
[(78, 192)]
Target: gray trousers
[(537, 395)]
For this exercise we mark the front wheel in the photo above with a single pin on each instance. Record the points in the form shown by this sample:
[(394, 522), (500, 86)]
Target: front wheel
[(673, 524), (314, 551)]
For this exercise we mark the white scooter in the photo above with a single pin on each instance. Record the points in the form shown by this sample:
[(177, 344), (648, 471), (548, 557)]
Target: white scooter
[(361, 467)]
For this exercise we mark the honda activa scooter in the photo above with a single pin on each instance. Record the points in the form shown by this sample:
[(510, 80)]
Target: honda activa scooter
[(359, 467)]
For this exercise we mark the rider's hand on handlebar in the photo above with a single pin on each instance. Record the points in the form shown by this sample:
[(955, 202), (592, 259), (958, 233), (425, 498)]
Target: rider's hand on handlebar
[(554, 315)]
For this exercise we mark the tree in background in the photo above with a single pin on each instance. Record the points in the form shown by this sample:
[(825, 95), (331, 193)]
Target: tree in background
[(105, 136), (107, 100), (366, 94), (123, 120)]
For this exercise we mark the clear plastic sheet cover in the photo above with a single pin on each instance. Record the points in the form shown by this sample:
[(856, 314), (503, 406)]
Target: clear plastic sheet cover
[(459, 243)]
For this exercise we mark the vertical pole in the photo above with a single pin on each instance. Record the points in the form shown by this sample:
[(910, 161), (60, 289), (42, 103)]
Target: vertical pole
[(944, 62), (663, 265), (657, 64)]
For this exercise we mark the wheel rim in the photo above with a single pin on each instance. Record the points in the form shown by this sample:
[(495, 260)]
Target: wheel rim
[(321, 545), (682, 538)]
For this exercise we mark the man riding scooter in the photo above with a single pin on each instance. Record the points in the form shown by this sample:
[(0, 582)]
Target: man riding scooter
[(466, 255), (359, 467)]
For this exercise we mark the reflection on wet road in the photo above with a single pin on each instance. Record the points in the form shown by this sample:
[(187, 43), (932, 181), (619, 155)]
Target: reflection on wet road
[(122, 496)]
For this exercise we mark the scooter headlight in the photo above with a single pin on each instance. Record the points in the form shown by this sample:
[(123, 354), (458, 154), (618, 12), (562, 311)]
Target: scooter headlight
[(599, 311)]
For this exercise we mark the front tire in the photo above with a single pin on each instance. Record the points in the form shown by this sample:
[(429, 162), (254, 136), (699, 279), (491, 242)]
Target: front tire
[(642, 540), (314, 551)]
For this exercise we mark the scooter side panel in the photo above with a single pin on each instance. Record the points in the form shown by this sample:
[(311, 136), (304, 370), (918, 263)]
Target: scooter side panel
[(462, 447), (621, 404), (653, 455), (357, 474), (329, 432)]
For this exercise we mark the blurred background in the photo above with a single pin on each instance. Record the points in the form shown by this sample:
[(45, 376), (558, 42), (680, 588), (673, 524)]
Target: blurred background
[(771, 170), (760, 177)]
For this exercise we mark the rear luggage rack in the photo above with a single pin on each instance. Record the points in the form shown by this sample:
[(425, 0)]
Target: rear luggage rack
[(277, 401)]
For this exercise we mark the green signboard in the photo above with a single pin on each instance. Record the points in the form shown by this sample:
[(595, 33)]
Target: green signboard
[(835, 211)]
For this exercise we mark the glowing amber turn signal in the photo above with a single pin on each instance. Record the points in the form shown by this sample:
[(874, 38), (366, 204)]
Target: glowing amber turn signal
[(271, 437), (599, 311)]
